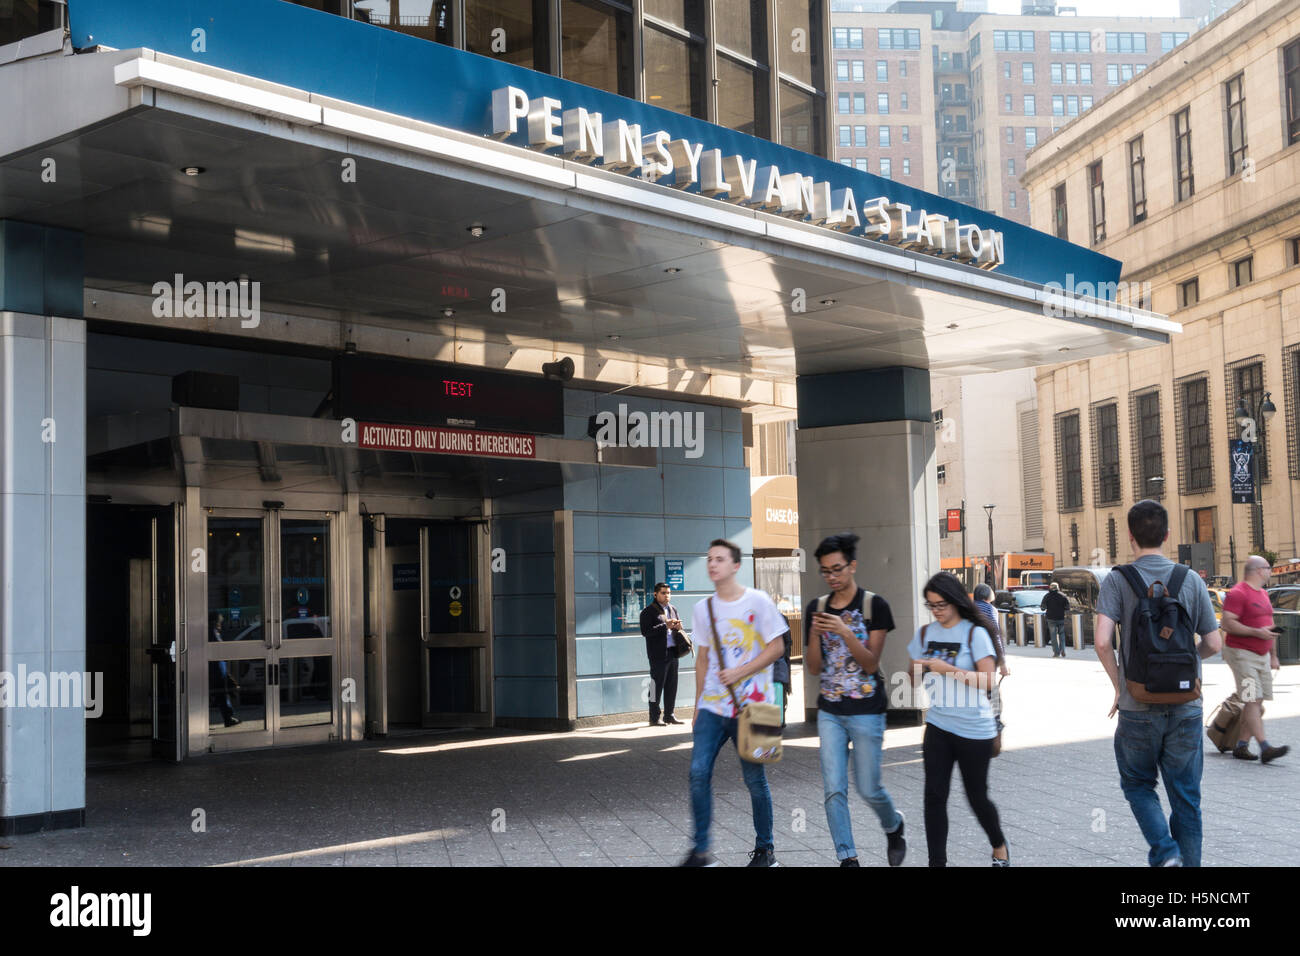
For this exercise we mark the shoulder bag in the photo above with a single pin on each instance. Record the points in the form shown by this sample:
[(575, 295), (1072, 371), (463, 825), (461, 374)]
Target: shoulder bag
[(758, 725)]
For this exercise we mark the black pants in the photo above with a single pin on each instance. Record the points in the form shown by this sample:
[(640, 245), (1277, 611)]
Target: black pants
[(664, 673), (941, 750)]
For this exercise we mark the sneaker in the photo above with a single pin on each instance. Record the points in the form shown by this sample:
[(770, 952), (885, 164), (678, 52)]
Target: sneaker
[(1269, 754), (765, 857), (1242, 752), (897, 847), (699, 859), (851, 861), (1173, 861)]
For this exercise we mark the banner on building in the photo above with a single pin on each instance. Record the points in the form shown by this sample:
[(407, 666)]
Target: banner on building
[(1241, 468)]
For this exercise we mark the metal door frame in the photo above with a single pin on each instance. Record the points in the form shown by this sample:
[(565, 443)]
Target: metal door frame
[(176, 646), (271, 649), (481, 639)]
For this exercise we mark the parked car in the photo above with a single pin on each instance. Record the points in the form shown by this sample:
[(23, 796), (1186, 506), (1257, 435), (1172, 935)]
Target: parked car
[(1286, 615)]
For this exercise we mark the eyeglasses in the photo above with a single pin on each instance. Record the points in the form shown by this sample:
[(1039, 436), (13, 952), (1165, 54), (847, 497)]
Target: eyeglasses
[(936, 605), (827, 572)]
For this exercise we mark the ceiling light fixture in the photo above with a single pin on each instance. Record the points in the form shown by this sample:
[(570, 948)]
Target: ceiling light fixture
[(613, 338), (672, 270), (193, 170), (828, 301), (477, 231), (448, 313)]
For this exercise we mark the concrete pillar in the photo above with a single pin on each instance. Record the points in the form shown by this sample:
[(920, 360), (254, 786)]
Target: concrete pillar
[(865, 448), (42, 529)]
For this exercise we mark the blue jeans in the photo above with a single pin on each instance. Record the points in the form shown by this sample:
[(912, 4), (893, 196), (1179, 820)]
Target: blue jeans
[(1057, 631), (1166, 738), (867, 731), (708, 736)]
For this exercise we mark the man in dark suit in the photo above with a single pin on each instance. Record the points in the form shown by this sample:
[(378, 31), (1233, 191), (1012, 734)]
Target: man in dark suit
[(662, 628)]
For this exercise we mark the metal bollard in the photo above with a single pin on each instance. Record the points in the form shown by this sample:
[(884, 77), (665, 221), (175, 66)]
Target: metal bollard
[(1076, 630), (1003, 617), (1039, 625)]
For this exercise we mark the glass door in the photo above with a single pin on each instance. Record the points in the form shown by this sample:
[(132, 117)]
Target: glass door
[(270, 642), (164, 651)]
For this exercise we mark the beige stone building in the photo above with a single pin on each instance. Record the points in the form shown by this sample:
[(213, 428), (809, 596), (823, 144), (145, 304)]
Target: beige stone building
[(1189, 175)]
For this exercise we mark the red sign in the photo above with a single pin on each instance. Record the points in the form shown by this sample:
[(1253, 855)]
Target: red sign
[(954, 519), (445, 441)]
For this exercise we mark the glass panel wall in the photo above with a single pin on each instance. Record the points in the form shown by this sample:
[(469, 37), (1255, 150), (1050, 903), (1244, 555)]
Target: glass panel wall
[(512, 30), (743, 98), (20, 19), (674, 72), (596, 45)]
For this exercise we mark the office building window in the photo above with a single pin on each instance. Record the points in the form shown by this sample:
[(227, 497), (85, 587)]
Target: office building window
[(882, 102), (741, 27), (844, 135), (886, 167), (1085, 103), (1235, 99), (840, 38), (883, 138), (1097, 205), (1026, 72), (847, 162), (1060, 217), (907, 134), (1072, 106), (907, 167), (1291, 88), (1069, 462), (898, 39), (801, 119), (902, 102), (1170, 40), (1243, 272), (1011, 167), (1105, 452), (1006, 69), (1070, 41), (1112, 74), (1185, 186), (902, 66), (744, 98), (1006, 103), (596, 46), (493, 24), (1031, 136), (1010, 132), (859, 71), (843, 103), (882, 71), (1293, 251), (1137, 181), (942, 473), (1072, 73), (1011, 199), (1189, 293), (861, 164), (1126, 42), (1057, 75), (1245, 380), (1029, 104), (1085, 73), (842, 70), (860, 137), (1148, 449), (1014, 40), (859, 102), (1196, 464), (674, 71), (1058, 105)]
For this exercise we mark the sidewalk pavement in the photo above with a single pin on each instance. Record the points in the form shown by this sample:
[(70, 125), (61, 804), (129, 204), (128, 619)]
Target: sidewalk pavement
[(619, 796)]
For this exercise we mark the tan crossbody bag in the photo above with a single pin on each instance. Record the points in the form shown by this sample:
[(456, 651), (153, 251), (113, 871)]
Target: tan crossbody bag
[(758, 726)]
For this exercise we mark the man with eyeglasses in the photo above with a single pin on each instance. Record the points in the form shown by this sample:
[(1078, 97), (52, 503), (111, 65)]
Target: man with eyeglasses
[(844, 637)]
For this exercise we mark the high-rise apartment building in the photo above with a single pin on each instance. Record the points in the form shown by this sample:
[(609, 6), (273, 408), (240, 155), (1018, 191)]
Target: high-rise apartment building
[(983, 88)]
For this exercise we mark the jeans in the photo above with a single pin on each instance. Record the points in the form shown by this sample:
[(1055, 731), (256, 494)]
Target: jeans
[(664, 675), (1166, 738), (708, 736), (867, 732), (1057, 631), (940, 750)]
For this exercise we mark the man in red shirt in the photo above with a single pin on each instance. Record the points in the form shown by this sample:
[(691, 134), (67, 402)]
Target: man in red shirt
[(1250, 649)]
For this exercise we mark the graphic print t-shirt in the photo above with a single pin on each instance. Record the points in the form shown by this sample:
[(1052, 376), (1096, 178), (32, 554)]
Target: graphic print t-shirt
[(845, 690), (956, 706), (745, 626)]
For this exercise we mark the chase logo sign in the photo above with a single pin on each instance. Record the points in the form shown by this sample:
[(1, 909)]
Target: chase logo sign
[(586, 137)]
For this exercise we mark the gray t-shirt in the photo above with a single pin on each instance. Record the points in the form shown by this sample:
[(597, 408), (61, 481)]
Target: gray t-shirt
[(1118, 602)]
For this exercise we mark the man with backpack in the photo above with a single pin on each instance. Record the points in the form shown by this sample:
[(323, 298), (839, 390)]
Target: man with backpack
[(1160, 608), (844, 637)]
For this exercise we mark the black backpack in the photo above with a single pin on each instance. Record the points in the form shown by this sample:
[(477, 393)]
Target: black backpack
[(1159, 642)]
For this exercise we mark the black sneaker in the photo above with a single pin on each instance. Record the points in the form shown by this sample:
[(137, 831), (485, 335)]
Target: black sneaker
[(1242, 752), (765, 857), (699, 859), (850, 861), (897, 846), (1272, 753)]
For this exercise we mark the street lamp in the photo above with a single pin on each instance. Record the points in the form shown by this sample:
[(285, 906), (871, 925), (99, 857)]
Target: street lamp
[(988, 509), (1248, 418)]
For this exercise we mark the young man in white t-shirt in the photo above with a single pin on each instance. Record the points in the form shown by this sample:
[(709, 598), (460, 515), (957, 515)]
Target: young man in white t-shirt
[(750, 632)]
